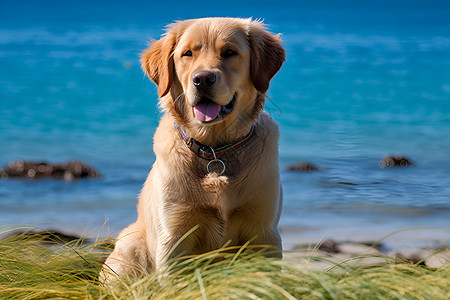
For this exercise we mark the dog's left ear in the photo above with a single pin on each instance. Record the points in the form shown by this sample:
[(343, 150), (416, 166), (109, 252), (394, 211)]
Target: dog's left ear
[(267, 56), (157, 62)]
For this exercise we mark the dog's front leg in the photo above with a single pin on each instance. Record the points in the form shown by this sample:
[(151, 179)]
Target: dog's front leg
[(171, 247), (130, 256)]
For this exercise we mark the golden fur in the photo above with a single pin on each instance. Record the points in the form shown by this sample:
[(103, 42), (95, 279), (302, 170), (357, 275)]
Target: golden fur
[(245, 201)]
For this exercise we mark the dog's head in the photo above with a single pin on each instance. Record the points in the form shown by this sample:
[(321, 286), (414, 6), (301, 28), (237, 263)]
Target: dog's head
[(213, 73)]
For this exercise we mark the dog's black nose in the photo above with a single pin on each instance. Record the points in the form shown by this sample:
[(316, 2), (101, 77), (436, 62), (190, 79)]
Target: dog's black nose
[(204, 79)]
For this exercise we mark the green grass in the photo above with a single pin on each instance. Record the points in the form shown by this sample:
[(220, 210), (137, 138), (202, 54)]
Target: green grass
[(32, 270)]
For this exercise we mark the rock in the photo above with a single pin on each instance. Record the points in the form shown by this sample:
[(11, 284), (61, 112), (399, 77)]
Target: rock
[(35, 170), (44, 236), (395, 161), (303, 167), (428, 257), (51, 238), (438, 259), (329, 246), (414, 256)]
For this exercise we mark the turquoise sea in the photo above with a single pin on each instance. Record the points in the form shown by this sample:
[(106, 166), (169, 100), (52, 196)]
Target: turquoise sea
[(362, 80)]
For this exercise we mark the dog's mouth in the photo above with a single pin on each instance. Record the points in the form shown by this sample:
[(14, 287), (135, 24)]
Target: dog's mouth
[(208, 111)]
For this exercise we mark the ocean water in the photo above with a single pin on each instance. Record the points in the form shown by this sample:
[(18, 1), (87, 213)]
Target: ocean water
[(361, 81)]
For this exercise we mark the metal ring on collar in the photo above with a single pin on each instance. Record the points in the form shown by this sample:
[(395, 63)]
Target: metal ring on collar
[(216, 161)]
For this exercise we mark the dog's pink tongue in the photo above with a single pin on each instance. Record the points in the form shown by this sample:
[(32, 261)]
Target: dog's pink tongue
[(206, 111)]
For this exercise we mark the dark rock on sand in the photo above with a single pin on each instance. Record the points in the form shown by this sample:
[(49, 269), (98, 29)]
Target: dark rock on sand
[(329, 246), (303, 167), (44, 236), (414, 258), (395, 161), (53, 237), (35, 170)]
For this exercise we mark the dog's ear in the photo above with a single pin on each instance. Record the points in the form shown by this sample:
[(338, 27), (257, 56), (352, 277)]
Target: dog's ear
[(267, 55), (157, 62)]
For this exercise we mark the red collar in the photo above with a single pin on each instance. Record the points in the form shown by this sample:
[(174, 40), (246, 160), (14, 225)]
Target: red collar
[(209, 153)]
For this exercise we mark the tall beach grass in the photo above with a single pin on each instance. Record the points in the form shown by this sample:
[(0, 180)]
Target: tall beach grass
[(33, 268)]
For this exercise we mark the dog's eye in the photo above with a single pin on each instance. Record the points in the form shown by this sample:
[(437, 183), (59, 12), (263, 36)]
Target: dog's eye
[(229, 53), (187, 53)]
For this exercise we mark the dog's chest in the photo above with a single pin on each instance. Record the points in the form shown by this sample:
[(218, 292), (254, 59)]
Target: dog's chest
[(214, 187), (208, 192)]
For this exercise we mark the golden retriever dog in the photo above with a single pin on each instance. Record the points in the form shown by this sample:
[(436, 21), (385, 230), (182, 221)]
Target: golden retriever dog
[(216, 149)]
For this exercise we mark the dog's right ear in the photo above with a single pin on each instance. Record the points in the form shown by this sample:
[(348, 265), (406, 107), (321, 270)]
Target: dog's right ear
[(157, 62)]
